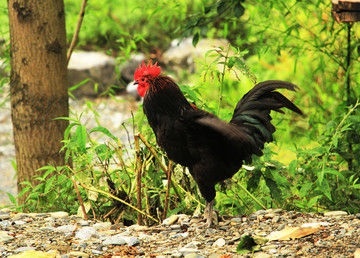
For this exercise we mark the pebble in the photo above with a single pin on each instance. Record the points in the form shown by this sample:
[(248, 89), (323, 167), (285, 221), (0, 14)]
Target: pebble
[(86, 233), (275, 219), (59, 214), (171, 220), (220, 242), (24, 249), (131, 241), (335, 214), (315, 225), (114, 240), (4, 215), (78, 255), (66, 228), (71, 236)]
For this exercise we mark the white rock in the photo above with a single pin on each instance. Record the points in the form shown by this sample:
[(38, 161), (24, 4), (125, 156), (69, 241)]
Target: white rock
[(143, 236), (4, 236), (86, 233), (114, 240), (65, 228), (19, 222), (77, 254), (185, 250), (59, 214), (220, 242), (183, 54), (131, 241), (315, 224), (128, 68), (335, 213), (269, 247), (102, 225), (98, 67), (193, 244), (137, 227), (171, 220)]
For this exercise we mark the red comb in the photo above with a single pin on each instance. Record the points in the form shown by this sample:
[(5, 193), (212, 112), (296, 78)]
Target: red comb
[(153, 70)]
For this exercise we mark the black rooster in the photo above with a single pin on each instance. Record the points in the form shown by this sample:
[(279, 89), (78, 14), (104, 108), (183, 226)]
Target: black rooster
[(212, 149)]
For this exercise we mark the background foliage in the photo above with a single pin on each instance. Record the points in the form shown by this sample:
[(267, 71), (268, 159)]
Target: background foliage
[(312, 166)]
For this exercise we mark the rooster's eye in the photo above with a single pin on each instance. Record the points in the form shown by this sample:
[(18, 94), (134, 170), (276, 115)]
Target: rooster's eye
[(142, 79)]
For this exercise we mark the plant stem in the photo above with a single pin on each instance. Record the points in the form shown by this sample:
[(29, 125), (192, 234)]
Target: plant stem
[(77, 30), (348, 89), (348, 63), (222, 79), (138, 168), (153, 152), (252, 196), (167, 192)]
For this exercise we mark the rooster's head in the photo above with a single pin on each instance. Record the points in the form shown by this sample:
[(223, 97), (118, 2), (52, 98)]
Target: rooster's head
[(143, 76)]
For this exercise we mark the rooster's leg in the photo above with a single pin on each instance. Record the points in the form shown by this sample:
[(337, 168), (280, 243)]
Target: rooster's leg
[(208, 212)]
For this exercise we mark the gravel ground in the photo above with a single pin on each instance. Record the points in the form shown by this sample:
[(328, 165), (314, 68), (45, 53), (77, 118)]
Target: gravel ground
[(57, 234)]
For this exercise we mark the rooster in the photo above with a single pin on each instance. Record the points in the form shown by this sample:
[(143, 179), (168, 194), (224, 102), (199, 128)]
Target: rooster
[(212, 149)]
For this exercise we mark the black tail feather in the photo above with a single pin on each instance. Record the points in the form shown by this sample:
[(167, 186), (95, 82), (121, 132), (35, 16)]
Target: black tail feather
[(252, 113)]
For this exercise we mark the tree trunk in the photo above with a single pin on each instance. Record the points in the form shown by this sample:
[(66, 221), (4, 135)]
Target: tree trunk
[(38, 85)]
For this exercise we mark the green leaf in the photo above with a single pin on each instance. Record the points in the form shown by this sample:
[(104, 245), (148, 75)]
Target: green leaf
[(250, 244), (221, 7), (49, 184), (104, 131), (195, 39), (313, 201), (23, 191), (239, 10), (207, 9), (334, 172), (103, 152), (78, 85), (12, 198), (67, 118), (26, 183), (68, 130), (325, 188), (305, 189), (81, 138), (357, 186), (292, 167)]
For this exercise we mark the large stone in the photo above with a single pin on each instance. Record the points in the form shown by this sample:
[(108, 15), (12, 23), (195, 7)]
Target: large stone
[(182, 54), (128, 68), (97, 67)]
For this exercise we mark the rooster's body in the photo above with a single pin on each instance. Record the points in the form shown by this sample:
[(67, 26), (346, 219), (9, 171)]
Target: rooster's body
[(212, 149)]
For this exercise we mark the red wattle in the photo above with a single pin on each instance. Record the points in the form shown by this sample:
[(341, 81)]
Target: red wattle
[(141, 90)]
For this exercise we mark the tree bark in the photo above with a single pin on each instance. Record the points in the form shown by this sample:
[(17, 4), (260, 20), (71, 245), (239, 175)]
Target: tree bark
[(38, 85)]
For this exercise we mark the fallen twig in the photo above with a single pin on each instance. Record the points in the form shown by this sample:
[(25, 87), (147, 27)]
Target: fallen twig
[(118, 199), (80, 199)]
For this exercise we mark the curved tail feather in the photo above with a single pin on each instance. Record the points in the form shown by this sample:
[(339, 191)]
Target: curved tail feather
[(252, 112)]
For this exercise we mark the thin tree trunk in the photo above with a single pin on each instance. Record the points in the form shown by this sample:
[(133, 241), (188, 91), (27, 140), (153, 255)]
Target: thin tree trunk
[(38, 84)]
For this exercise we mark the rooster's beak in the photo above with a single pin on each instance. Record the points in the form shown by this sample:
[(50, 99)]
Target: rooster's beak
[(136, 83)]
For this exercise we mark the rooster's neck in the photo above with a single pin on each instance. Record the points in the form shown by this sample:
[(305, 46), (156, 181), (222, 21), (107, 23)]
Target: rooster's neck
[(164, 99)]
